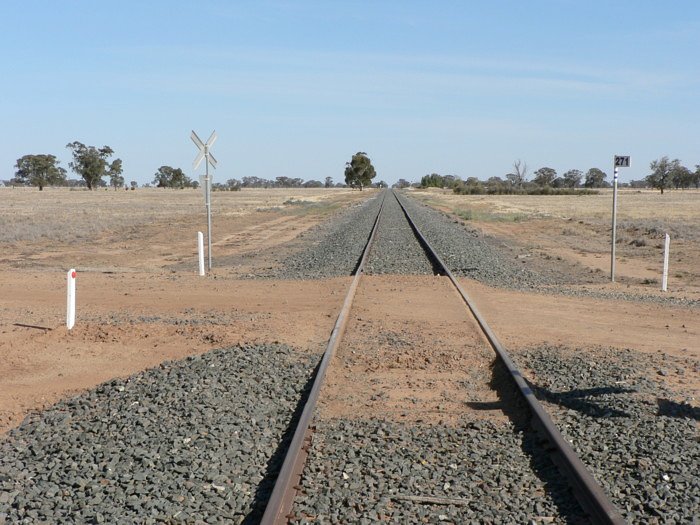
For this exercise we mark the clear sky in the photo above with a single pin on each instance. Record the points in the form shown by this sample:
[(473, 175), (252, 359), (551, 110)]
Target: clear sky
[(295, 88)]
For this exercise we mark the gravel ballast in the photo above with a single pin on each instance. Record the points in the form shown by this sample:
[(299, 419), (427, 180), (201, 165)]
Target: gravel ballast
[(368, 471), (335, 248), (194, 441), (470, 254), (396, 250), (637, 436)]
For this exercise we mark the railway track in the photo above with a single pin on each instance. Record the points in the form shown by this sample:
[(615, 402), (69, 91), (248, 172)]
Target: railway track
[(280, 508), (416, 422)]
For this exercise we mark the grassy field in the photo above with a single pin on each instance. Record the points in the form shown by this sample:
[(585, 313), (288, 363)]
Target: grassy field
[(63, 215), (152, 227)]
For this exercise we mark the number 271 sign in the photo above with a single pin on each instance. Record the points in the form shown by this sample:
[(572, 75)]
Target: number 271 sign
[(622, 161)]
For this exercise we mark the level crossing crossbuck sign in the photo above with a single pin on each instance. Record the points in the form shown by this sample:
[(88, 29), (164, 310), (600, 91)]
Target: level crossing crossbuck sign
[(204, 148)]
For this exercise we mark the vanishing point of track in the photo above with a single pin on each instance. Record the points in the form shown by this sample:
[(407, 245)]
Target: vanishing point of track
[(589, 494)]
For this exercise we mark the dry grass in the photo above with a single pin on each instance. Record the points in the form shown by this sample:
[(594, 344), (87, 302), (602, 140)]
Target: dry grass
[(62, 215)]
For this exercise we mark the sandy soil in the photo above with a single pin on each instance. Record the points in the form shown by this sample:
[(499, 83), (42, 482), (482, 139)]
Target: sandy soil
[(129, 322), (523, 320), (139, 303)]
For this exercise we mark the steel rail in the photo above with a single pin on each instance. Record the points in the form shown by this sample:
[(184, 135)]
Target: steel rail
[(281, 499), (589, 493)]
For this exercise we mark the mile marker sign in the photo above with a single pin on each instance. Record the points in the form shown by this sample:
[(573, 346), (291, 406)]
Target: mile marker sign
[(622, 161)]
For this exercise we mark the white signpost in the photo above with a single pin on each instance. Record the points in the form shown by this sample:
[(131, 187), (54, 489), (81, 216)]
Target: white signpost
[(619, 162), (664, 279), (70, 296), (200, 252), (205, 154)]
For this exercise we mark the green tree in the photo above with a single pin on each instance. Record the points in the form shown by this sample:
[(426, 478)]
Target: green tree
[(558, 182), (401, 183), (681, 177), (91, 163), (595, 178), (359, 171), (169, 177), (283, 182), (40, 170), (115, 174), (545, 176), (328, 182), (661, 172), (432, 181), (572, 178)]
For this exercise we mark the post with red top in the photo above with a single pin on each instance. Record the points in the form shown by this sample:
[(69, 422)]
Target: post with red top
[(70, 309), (200, 251)]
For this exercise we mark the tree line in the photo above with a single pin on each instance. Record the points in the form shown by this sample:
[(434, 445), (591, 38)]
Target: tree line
[(277, 182), (90, 163), (93, 166), (664, 174)]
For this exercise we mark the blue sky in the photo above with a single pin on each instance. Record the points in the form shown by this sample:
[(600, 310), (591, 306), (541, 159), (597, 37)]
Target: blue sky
[(295, 88)]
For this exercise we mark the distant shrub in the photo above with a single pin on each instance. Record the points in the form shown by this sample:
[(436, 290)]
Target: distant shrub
[(471, 187)]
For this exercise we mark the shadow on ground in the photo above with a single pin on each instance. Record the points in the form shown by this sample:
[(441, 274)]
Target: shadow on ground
[(274, 464), (514, 407)]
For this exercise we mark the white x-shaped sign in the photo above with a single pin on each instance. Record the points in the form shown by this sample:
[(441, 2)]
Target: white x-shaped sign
[(204, 148)]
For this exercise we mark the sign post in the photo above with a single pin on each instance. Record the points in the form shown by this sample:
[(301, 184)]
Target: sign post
[(664, 279), (205, 154), (619, 162), (70, 296), (200, 252)]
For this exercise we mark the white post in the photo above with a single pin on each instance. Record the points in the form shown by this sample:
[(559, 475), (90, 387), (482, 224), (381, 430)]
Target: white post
[(200, 249), (664, 280), (70, 309), (614, 227), (207, 180)]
